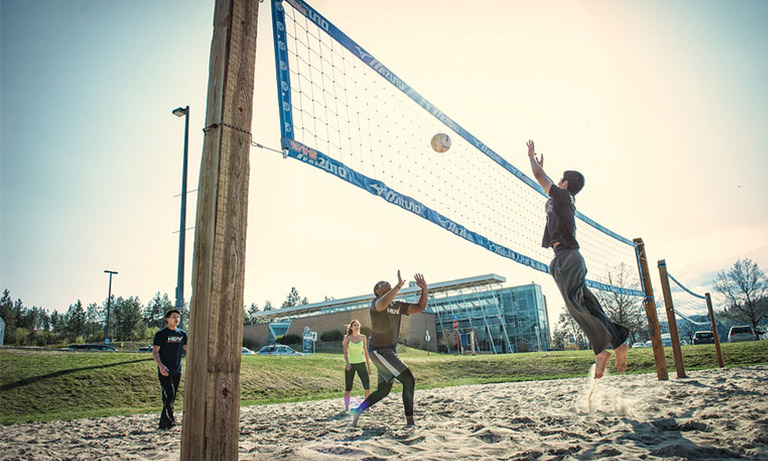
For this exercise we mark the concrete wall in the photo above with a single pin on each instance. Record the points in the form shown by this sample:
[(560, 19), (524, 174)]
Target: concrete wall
[(412, 328)]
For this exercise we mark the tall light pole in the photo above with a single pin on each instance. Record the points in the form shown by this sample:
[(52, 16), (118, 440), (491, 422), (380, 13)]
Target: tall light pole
[(182, 111), (109, 303)]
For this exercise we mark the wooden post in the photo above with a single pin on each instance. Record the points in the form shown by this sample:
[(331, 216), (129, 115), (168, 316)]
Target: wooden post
[(714, 331), (673, 333), (650, 312), (210, 428)]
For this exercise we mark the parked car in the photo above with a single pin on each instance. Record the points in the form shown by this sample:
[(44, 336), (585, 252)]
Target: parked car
[(277, 349), (247, 351), (666, 339), (638, 344), (703, 337), (741, 333), (92, 347), (144, 349)]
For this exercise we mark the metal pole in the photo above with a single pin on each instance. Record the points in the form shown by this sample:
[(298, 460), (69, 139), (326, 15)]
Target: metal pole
[(109, 303), (182, 219)]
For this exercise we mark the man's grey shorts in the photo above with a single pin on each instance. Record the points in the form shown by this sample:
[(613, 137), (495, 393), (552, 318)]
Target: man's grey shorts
[(388, 363)]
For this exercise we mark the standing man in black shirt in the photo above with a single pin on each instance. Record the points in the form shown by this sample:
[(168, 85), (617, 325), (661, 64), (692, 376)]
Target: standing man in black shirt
[(569, 270), (167, 347), (382, 346)]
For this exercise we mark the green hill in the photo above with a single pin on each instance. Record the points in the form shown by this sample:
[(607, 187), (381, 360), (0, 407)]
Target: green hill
[(43, 385)]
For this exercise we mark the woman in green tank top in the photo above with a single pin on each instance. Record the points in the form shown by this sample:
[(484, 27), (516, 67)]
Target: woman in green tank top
[(356, 356)]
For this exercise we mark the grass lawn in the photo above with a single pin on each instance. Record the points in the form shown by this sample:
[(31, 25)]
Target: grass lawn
[(44, 385)]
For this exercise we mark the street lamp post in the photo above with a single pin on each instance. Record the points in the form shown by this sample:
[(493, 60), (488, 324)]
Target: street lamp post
[(109, 303), (182, 111)]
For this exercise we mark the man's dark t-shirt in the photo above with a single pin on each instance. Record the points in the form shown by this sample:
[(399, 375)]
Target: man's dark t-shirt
[(171, 344), (385, 325), (561, 223)]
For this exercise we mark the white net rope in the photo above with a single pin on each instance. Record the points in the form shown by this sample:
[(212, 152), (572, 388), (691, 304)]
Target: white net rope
[(358, 114), (687, 304)]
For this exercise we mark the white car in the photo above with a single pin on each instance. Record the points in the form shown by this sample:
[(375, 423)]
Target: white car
[(277, 349), (638, 344), (741, 333)]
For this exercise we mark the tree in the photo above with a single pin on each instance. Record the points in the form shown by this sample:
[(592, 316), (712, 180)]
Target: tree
[(127, 315), (94, 322), (249, 314), (267, 305), (624, 309), (75, 321), (569, 332), (154, 313), (293, 299), (7, 313), (745, 289)]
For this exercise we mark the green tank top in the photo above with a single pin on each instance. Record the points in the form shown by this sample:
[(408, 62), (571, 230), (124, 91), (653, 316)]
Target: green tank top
[(355, 352)]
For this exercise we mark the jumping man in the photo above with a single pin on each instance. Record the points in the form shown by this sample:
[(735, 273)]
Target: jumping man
[(569, 270)]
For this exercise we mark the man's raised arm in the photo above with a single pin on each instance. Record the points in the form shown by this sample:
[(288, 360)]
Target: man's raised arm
[(422, 304), (538, 168)]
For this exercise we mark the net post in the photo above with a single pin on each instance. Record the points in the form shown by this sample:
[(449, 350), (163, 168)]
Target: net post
[(670, 308), (210, 429), (650, 311), (714, 331)]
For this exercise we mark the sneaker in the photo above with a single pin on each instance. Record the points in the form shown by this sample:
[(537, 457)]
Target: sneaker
[(354, 415)]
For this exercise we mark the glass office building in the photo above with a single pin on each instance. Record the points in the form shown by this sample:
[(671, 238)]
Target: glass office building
[(498, 320), (475, 311)]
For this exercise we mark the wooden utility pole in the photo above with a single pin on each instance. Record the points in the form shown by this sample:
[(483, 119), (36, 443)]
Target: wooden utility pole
[(650, 312), (670, 307), (210, 428), (715, 334)]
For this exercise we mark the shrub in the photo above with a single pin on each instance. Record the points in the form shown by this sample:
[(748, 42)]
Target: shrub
[(288, 339), (332, 335)]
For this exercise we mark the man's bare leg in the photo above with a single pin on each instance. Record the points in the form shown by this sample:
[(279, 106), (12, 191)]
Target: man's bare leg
[(621, 357), (601, 361)]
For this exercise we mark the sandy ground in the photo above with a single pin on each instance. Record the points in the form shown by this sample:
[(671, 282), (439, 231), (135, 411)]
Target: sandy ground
[(711, 414)]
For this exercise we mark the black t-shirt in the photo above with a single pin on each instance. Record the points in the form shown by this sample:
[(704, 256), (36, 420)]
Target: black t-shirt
[(171, 344), (561, 219), (385, 325)]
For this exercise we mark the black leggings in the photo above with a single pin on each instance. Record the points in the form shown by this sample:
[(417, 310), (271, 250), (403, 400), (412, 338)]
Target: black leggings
[(409, 385), (349, 376)]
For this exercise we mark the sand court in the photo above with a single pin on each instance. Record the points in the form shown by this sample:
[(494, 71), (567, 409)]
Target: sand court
[(719, 413)]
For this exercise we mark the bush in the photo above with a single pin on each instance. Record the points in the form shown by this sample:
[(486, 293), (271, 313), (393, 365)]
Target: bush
[(288, 339), (331, 336)]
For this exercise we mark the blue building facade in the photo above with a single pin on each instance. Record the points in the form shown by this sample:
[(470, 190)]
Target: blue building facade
[(471, 314)]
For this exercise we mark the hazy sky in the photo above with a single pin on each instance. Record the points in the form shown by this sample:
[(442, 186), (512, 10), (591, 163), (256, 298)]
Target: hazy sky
[(663, 105)]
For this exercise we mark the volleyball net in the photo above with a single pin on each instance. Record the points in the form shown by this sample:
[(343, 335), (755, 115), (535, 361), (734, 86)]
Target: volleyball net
[(687, 304), (346, 113)]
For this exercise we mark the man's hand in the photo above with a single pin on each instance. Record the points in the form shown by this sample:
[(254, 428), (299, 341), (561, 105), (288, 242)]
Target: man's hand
[(532, 153), (537, 166), (349, 367), (420, 282), (163, 370), (400, 281)]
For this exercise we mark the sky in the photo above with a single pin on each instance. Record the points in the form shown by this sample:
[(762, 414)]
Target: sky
[(661, 104)]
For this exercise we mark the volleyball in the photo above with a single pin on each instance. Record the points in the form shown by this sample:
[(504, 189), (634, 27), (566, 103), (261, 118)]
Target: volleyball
[(441, 142)]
